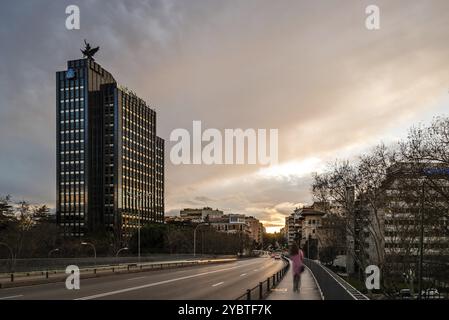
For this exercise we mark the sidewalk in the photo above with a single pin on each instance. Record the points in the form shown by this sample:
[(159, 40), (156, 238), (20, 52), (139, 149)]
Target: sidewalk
[(284, 290)]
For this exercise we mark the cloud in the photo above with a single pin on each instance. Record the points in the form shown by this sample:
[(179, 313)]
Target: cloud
[(274, 216), (310, 69)]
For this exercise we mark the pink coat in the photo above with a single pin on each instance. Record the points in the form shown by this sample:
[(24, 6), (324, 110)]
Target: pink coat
[(297, 262)]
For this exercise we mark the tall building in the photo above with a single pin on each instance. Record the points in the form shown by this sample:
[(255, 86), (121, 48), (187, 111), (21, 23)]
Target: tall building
[(110, 162), (414, 204)]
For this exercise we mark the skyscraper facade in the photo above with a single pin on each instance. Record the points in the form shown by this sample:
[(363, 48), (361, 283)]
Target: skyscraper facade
[(110, 162)]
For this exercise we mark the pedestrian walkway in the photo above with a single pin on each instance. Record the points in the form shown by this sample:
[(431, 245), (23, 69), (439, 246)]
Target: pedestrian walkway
[(284, 290)]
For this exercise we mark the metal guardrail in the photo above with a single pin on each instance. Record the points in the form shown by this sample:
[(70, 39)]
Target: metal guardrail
[(55, 263), (332, 286), (261, 291), (102, 270)]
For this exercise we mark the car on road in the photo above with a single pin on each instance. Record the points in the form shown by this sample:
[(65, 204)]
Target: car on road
[(405, 294), (430, 293), (277, 256)]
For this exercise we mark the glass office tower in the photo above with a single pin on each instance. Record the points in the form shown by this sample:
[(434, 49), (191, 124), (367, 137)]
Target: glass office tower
[(110, 162)]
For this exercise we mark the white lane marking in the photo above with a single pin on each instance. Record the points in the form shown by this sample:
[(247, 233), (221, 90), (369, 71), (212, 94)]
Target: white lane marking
[(110, 293), (217, 284), (136, 278), (11, 297), (279, 289), (243, 274)]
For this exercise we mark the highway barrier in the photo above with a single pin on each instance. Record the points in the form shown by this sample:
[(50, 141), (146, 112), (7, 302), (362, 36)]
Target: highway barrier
[(261, 291), (58, 263), (40, 277)]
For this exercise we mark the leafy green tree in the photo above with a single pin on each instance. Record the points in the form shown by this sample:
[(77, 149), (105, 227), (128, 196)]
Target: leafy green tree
[(152, 239)]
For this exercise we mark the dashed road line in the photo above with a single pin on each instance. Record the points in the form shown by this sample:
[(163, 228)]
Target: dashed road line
[(217, 284)]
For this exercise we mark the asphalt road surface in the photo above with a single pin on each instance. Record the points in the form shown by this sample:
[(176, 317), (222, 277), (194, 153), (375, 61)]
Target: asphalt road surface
[(216, 281)]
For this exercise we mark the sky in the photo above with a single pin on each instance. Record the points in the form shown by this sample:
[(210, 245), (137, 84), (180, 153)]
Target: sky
[(310, 69)]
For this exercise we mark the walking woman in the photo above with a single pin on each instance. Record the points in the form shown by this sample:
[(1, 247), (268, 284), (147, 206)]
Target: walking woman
[(297, 258)]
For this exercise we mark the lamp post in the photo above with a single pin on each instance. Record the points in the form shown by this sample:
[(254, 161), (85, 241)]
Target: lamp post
[(93, 247), (194, 237), (138, 196), (120, 250), (49, 255), (11, 253), (421, 243)]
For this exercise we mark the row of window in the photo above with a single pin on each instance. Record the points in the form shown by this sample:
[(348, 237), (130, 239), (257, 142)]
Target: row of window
[(131, 141), (131, 124), (144, 136), (71, 88), (72, 182), (72, 141), (74, 192), (129, 114), (72, 162), (71, 100), (71, 172), (147, 155), (71, 131), (72, 152), (129, 161), (72, 110)]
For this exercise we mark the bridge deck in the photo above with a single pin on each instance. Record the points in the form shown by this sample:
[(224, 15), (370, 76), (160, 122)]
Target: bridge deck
[(284, 291)]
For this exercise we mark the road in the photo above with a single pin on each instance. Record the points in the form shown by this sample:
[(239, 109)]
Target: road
[(217, 281)]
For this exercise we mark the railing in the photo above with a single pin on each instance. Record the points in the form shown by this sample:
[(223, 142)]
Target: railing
[(8, 279), (54, 263), (260, 291), (332, 286)]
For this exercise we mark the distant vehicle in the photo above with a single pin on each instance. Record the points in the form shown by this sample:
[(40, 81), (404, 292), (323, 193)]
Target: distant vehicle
[(405, 294), (277, 256), (430, 293)]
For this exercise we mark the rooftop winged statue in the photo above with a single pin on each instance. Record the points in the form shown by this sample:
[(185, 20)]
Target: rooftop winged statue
[(88, 51)]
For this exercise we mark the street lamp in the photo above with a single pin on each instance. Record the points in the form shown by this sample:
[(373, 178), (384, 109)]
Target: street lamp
[(93, 247), (194, 237), (120, 250), (421, 242), (138, 196), (10, 252)]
